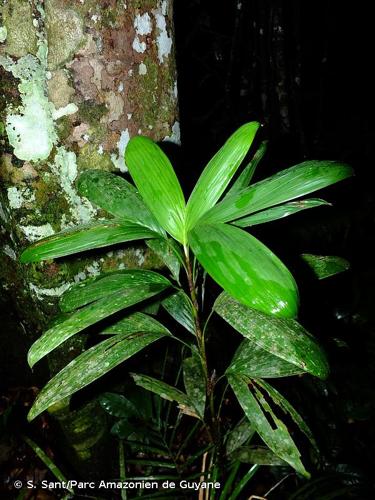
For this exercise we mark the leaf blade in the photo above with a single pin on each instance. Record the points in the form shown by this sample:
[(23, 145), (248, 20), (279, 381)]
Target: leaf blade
[(169, 252), (218, 173), (245, 268), (165, 391), (157, 183), (284, 338), (179, 306), (325, 266), (82, 238), (253, 361), (286, 185), (136, 322), (85, 292), (246, 175), (288, 408), (279, 212), (277, 439), (117, 196), (87, 316), (195, 383), (89, 366)]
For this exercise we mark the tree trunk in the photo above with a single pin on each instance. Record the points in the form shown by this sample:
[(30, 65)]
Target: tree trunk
[(79, 78)]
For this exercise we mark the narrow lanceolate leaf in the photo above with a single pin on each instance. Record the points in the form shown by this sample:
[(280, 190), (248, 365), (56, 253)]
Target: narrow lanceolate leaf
[(87, 316), (286, 185), (48, 462), (253, 361), (90, 366), (158, 185), (284, 338), (118, 197), (166, 391), (289, 409), (325, 266), (239, 435), (279, 212), (195, 383), (245, 268), (259, 412), (179, 306), (219, 172), (246, 175), (96, 288), (257, 455), (87, 237), (118, 405), (170, 254), (136, 322)]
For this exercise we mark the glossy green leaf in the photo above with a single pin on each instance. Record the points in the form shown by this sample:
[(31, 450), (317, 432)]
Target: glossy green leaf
[(170, 254), (92, 289), (179, 306), (257, 455), (289, 409), (136, 322), (245, 268), (195, 383), (118, 405), (239, 435), (89, 366), (279, 212), (118, 197), (325, 266), (219, 172), (87, 316), (284, 338), (286, 185), (253, 361), (246, 175), (82, 238), (157, 183), (259, 412), (166, 391)]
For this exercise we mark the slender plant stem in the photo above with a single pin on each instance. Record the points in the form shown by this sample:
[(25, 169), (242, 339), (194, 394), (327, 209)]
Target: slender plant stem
[(212, 427)]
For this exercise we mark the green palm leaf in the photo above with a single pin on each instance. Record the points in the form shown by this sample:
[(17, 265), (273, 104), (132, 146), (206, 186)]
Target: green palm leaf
[(286, 185), (219, 172), (82, 238), (245, 268), (158, 185)]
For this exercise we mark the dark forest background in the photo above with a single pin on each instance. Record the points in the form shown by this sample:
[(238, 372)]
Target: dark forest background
[(304, 70)]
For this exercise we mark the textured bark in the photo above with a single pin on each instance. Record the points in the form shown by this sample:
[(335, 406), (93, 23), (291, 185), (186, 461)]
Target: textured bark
[(101, 72)]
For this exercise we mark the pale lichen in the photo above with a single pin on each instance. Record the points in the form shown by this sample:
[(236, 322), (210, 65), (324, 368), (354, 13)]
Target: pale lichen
[(3, 34), (163, 40), (65, 169), (34, 233), (143, 24), (49, 292), (142, 69), (17, 197), (139, 46), (10, 252), (176, 134), (36, 115), (118, 160)]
